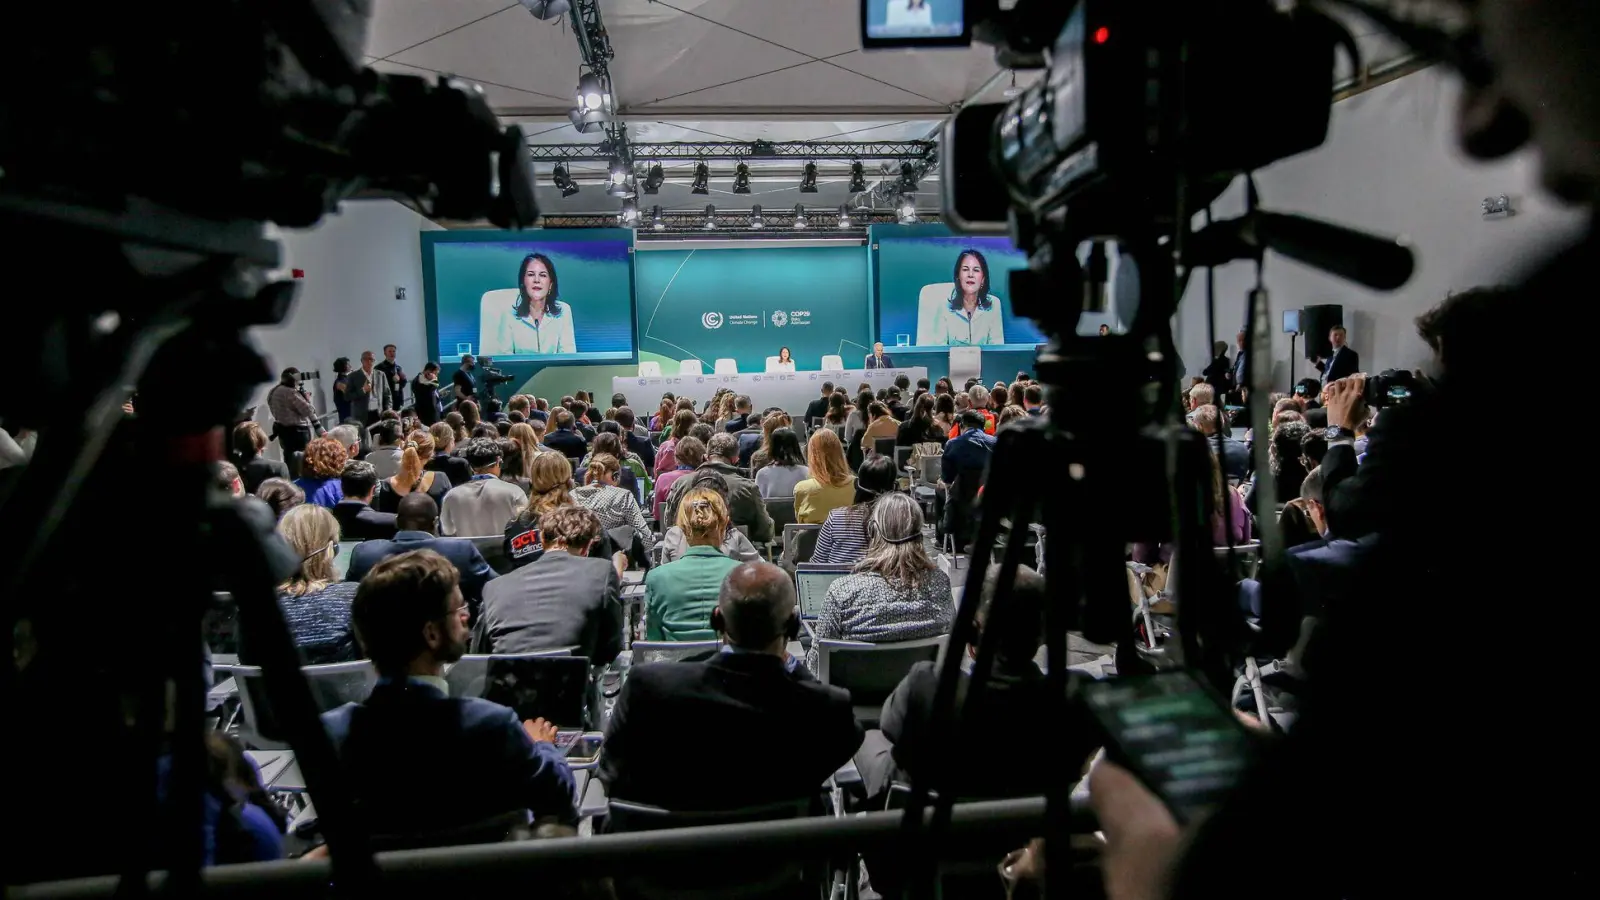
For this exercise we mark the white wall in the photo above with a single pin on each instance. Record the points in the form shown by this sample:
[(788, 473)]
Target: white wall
[(1389, 166), (353, 262)]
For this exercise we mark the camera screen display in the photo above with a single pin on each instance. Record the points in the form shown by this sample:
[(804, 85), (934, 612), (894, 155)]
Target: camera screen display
[(912, 23)]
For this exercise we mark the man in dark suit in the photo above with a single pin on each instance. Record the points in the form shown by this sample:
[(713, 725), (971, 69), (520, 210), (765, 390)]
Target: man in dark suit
[(742, 407), (635, 442), (396, 375), (818, 407), (565, 439), (411, 620), (416, 520), (1342, 362), (777, 733), (358, 521), (1235, 458), (565, 598), (877, 359)]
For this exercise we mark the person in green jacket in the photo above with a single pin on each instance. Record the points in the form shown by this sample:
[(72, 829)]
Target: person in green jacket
[(680, 595)]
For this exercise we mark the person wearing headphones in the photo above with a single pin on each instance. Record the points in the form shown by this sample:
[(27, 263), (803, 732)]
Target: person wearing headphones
[(778, 732), (896, 593)]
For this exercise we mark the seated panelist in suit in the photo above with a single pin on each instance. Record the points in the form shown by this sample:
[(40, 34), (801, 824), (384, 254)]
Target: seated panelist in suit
[(565, 598), (411, 620), (416, 520), (778, 733), (358, 521), (878, 359)]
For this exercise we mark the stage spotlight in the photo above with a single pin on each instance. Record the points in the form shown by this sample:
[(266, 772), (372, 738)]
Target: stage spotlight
[(858, 178), (657, 220), (908, 177), (711, 216), (547, 9), (756, 221), (741, 179), (654, 179), (702, 177), (591, 93), (621, 179), (629, 214), (808, 181), (563, 180), (844, 215), (800, 216), (908, 209)]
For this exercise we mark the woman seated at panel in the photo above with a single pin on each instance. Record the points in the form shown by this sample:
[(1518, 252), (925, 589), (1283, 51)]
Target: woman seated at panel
[(895, 593)]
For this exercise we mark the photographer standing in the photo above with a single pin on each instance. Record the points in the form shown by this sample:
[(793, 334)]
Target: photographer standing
[(292, 417), (1430, 771)]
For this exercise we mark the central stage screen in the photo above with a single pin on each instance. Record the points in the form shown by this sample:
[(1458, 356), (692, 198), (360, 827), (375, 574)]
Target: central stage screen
[(748, 304), (937, 290), (545, 295)]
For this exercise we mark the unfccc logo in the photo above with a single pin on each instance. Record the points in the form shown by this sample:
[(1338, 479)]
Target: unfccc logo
[(711, 320)]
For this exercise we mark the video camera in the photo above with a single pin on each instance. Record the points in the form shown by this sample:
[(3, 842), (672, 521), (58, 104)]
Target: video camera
[(491, 376)]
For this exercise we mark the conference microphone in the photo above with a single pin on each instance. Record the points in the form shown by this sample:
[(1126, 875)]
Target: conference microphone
[(1380, 263)]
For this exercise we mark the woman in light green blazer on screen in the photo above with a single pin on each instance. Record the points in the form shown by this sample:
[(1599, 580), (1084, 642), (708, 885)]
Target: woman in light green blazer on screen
[(679, 596)]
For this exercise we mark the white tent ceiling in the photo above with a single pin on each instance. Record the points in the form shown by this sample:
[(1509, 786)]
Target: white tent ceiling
[(713, 70)]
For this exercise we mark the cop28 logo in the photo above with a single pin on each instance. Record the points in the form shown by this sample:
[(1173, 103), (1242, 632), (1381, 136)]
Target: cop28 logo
[(780, 319), (711, 320)]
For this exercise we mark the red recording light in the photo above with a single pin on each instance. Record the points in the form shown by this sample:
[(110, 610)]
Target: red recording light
[(1102, 34)]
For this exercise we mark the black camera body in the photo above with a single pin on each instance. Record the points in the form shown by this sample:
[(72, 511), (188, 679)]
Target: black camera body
[(1391, 387), (490, 375)]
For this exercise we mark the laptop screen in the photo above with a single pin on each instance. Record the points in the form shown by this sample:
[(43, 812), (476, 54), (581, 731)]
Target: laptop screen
[(811, 586)]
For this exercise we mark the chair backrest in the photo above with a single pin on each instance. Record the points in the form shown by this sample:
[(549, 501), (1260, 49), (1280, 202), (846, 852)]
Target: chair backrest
[(493, 548), (220, 625), (800, 542), (341, 560), (932, 468), (902, 458), (690, 367), (551, 685), (671, 651), (772, 364), (781, 509), (811, 581), (870, 672), (649, 370), (883, 447), (623, 816), (332, 686), (725, 366), (493, 830), (1247, 556), (833, 363), (655, 439)]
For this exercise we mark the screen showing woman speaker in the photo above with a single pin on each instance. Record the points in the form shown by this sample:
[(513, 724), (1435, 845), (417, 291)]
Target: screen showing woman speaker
[(565, 296), (938, 290)]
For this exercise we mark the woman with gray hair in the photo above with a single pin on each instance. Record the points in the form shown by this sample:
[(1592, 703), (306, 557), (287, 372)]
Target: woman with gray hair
[(895, 593)]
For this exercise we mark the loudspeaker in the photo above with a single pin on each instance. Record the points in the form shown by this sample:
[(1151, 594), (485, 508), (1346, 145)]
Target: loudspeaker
[(1315, 322)]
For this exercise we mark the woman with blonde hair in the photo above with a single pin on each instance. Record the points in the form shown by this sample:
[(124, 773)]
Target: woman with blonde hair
[(324, 464), (469, 414), (458, 427), (550, 486), (527, 438), (315, 601), (1010, 413), (413, 475), (830, 486), (445, 438), (680, 595), (763, 454), (615, 506), (895, 593)]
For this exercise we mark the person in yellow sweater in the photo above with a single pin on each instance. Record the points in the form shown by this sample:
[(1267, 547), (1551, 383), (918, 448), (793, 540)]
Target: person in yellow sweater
[(830, 486)]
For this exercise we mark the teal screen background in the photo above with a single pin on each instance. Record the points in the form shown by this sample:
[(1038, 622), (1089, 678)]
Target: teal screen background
[(906, 257), (707, 304), (594, 268)]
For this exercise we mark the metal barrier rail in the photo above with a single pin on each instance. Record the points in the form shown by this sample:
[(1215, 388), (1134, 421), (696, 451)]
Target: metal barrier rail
[(509, 867)]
